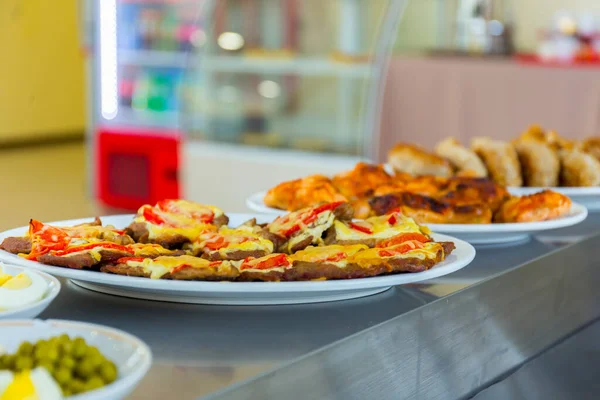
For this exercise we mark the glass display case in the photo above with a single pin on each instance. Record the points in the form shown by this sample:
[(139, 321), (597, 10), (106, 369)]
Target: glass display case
[(264, 79)]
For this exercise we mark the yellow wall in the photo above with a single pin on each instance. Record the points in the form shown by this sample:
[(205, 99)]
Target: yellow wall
[(41, 69)]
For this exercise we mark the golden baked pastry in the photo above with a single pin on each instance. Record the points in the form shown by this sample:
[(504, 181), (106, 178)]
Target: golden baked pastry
[(414, 160), (540, 164), (500, 159), (579, 168), (540, 206), (464, 160), (302, 193)]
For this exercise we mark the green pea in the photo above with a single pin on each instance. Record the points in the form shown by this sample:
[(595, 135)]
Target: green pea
[(52, 353), (64, 338), (62, 375), (9, 361), (66, 347), (76, 386), (25, 349), (66, 392), (79, 349), (23, 363), (67, 362), (40, 352), (108, 372), (85, 368), (95, 382)]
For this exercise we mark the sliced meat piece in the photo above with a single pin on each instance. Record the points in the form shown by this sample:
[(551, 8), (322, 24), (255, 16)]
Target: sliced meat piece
[(138, 231), (16, 245), (83, 259), (306, 271), (235, 255), (221, 220)]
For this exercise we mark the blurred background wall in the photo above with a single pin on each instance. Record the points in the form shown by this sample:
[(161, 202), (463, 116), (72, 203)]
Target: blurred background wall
[(41, 71)]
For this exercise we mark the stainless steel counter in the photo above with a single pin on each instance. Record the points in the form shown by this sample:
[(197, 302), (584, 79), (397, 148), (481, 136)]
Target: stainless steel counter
[(201, 349)]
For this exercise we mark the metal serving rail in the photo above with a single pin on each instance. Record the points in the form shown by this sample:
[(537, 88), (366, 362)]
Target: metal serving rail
[(398, 344)]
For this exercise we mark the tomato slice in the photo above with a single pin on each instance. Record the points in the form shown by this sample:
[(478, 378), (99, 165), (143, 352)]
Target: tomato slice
[(278, 260), (403, 237), (392, 219), (313, 214), (151, 216), (124, 260), (89, 246), (400, 248), (361, 227), (290, 231), (216, 243)]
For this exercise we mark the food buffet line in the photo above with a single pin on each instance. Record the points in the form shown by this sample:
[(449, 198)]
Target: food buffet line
[(240, 306)]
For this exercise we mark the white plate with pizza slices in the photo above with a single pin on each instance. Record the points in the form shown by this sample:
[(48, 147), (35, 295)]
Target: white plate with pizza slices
[(586, 196), (237, 293)]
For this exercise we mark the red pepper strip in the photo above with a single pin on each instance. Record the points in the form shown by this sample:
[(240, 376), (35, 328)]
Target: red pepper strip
[(89, 246), (360, 228), (289, 232), (279, 260), (392, 219), (124, 260), (400, 248), (180, 268), (216, 243), (403, 237), (314, 213), (151, 216), (337, 257)]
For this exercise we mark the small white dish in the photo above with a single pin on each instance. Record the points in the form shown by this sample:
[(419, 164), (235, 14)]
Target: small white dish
[(256, 203), (237, 293), (132, 357), (34, 309), (586, 196)]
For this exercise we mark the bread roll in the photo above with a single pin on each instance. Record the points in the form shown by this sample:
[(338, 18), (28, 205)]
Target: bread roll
[(464, 160), (501, 160), (413, 160), (540, 164), (579, 168)]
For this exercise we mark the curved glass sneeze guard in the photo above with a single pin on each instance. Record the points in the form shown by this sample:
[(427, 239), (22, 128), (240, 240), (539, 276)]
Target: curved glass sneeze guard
[(288, 73)]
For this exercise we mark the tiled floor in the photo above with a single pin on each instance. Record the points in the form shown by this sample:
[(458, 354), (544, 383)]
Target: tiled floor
[(47, 183)]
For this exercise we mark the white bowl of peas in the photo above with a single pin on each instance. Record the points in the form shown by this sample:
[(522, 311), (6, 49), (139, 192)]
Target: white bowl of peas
[(85, 361)]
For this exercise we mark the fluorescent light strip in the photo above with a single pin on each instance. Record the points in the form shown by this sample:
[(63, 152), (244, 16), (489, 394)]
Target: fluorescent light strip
[(108, 59)]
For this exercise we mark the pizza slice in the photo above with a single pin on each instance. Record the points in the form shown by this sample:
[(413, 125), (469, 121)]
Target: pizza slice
[(169, 267), (90, 230), (375, 230), (81, 254), (172, 223), (300, 229), (232, 244), (407, 256), (330, 262)]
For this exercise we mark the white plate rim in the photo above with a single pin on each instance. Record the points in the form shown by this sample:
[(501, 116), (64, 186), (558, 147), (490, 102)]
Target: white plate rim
[(577, 214), (580, 191), (52, 291), (451, 264), (122, 385)]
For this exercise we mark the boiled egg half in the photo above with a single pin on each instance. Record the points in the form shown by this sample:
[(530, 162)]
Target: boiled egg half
[(36, 384), (20, 290)]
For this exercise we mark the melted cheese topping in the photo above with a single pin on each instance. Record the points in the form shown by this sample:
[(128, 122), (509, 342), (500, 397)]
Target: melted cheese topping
[(381, 228), (161, 266), (315, 229), (238, 239), (190, 232), (249, 263), (148, 249), (191, 209), (328, 254), (428, 251)]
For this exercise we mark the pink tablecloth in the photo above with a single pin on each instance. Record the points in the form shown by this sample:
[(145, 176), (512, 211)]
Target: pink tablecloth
[(427, 99)]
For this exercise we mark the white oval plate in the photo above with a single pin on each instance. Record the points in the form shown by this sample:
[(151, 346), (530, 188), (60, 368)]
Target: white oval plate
[(472, 233), (586, 196), (509, 232), (243, 293), (131, 356), (35, 309)]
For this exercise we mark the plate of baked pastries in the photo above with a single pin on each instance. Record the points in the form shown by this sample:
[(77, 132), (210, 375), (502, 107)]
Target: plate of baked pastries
[(183, 251), (450, 198), (536, 160)]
